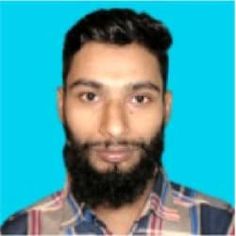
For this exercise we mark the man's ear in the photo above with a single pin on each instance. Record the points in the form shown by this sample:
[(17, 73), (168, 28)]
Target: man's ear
[(167, 105), (60, 103)]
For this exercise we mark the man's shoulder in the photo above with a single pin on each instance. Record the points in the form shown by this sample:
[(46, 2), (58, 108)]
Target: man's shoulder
[(196, 197), (215, 215), (19, 222), (16, 224)]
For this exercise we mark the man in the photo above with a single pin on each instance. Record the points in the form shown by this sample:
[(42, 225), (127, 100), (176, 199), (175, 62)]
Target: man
[(114, 105)]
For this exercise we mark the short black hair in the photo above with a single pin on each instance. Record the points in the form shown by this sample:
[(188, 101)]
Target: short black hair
[(121, 27)]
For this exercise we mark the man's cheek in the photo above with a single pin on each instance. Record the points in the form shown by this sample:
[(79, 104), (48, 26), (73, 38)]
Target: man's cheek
[(147, 124)]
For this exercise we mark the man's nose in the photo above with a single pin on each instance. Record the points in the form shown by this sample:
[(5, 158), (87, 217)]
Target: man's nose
[(114, 123)]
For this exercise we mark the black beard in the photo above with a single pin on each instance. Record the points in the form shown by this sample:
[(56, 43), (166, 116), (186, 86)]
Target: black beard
[(113, 188)]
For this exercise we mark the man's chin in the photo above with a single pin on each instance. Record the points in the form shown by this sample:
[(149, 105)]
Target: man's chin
[(111, 168), (97, 184), (120, 167)]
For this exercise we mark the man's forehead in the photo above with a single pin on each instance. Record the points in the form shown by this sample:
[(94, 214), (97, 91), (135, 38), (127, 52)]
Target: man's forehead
[(114, 65), (96, 51)]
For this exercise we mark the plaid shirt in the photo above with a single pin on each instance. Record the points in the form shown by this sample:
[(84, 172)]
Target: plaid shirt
[(171, 209)]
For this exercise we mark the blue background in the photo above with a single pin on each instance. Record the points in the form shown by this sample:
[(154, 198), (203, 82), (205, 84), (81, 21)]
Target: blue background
[(200, 137)]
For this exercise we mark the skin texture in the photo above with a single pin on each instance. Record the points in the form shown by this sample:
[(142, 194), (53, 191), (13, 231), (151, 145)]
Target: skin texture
[(114, 94)]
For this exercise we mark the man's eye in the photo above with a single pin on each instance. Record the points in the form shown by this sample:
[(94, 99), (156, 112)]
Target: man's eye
[(140, 99), (89, 97)]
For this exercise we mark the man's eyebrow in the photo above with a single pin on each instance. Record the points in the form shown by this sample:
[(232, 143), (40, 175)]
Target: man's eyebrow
[(98, 85), (146, 85), (84, 82)]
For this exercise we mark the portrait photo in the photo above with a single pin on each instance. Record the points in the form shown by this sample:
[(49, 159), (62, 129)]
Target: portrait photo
[(45, 67)]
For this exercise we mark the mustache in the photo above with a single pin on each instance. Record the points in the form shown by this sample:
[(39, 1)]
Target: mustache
[(153, 147), (113, 144)]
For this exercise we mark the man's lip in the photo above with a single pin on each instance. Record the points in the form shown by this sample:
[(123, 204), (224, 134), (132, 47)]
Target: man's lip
[(113, 155)]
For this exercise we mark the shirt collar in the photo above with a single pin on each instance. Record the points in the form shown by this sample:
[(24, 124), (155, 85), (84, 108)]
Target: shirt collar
[(160, 200)]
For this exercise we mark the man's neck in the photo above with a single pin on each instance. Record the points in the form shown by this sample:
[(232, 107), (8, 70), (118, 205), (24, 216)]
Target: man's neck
[(120, 220)]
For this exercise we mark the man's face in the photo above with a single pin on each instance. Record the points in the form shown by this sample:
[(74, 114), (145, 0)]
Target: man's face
[(114, 94)]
